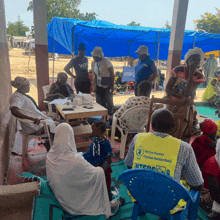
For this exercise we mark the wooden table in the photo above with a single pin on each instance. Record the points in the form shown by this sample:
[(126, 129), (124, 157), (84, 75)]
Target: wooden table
[(82, 113)]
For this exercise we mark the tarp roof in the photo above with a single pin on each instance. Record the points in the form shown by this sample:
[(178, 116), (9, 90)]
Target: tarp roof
[(119, 40)]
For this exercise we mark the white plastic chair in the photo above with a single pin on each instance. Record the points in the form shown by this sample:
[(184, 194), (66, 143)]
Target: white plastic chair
[(135, 119), (27, 138), (50, 112)]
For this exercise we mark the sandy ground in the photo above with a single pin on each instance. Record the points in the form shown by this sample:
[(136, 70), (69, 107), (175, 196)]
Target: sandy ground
[(19, 67)]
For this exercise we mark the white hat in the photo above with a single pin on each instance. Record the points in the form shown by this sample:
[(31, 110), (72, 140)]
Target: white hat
[(97, 52), (194, 51), (142, 50)]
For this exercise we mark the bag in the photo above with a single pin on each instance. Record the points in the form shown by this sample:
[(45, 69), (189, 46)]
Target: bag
[(106, 81)]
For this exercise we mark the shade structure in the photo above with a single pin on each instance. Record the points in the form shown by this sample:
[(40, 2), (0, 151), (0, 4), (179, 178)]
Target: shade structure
[(64, 36)]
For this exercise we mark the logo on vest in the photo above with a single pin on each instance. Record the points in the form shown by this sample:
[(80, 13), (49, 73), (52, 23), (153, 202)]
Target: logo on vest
[(139, 151), (158, 168)]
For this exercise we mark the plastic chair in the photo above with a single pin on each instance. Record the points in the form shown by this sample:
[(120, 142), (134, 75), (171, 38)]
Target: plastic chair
[(27, 138), (50, 112), (157, 193), (136, 119)]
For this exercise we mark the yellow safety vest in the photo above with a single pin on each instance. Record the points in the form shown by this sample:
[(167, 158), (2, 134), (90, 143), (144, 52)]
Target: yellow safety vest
[(159, 154), (218, 124)]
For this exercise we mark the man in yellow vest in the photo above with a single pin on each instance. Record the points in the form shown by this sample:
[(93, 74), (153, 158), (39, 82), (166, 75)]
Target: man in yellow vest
[(161, 152)]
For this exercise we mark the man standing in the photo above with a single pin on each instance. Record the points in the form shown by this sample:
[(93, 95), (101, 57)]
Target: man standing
[(145, 69), (103, 79), (80, 65)]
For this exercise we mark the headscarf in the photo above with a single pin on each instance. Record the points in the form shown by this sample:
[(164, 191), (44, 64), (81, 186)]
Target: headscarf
[(208, 126), (209, 91), (19, 81), (217, 155), (194, 51), (97, 52), (63, 136), (79, 187), (212, 55)]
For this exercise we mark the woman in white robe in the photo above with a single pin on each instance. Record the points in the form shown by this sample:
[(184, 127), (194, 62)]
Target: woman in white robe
[(79, 187)]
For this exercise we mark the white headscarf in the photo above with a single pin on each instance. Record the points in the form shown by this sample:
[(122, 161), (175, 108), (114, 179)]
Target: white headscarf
[(194, 51), (19, 81), (79, 187), (217, 155)]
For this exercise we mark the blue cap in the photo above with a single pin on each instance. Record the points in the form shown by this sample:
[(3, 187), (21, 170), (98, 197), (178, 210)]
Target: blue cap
[(82, 47)]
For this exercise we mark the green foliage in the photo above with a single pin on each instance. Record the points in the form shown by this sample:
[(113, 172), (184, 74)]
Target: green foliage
[(167, 25), (65, 9), (87, 16), (209, 22), (133, 23), (17, 28)]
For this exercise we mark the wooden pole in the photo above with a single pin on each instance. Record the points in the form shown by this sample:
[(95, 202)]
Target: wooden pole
[(194, 41), (29, 57), (41, 48), (177, 35), (53, 58), (73, 41)]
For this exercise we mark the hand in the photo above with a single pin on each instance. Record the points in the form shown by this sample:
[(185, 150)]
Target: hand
[(188, 101), (192, 68), (36, 121)]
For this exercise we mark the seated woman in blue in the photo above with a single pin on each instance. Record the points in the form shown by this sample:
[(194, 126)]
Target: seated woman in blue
[(100, 151)]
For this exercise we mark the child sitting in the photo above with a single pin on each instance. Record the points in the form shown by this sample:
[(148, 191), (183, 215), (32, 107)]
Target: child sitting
[(100, 151), (204, 145)]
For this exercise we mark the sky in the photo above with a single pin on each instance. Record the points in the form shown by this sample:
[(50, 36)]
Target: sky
[(149, 13)]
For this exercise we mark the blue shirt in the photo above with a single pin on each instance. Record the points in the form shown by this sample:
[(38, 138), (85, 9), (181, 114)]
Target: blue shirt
[(144, 69)]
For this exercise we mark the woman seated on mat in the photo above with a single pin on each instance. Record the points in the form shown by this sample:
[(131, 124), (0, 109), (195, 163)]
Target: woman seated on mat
[(212, 94), (211, 175), (204, 145), (79, 187), (182, 87), (144, 90), (23, 106), (100, 151)]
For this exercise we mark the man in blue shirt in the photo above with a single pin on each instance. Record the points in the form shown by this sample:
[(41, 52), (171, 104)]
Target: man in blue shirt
[(145, 69)]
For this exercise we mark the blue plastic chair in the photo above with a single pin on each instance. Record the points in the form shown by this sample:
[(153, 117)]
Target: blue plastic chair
[(157, 193)]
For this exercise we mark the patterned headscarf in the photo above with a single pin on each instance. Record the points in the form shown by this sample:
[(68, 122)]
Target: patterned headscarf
[(208, 126)]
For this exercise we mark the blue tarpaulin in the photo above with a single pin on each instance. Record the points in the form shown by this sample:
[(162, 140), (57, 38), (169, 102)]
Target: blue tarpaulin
[(119, 40)]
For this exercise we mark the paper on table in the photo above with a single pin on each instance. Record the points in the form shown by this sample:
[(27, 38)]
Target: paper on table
[(59, 101)]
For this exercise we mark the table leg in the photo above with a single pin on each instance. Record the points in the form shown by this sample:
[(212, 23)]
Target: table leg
[(104, 118), (57, 113)]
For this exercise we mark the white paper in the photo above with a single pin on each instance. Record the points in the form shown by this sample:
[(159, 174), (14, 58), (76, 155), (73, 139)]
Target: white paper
[(59, 101)]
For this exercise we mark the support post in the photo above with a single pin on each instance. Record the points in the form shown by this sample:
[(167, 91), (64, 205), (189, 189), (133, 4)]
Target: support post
[(155, 44), (194, 41), (41, 47), (177, 35), (158, 48), (5, 93), (5, 72), (73, 46), (53, 59)]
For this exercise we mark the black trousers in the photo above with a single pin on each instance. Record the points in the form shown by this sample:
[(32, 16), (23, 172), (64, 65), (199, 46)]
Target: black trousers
[(135, 88), (83, 87), (105, 98)]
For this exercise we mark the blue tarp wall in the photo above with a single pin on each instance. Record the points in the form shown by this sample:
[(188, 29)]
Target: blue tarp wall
[(64, 36)]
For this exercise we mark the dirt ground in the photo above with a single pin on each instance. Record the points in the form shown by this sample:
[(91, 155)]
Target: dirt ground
[(19, 67)]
